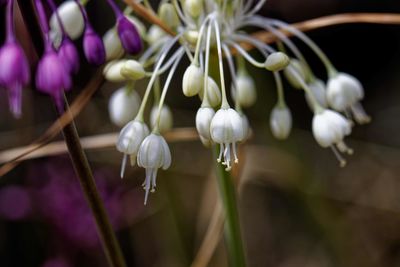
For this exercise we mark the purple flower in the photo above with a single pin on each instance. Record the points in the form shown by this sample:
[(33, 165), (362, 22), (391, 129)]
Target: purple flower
[(129, 35), (69, 55), (14, 73), (52, 77), (93, 47)]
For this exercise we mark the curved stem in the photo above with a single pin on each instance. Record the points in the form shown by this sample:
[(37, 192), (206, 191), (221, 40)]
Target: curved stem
[(10, 21), (279, 89)]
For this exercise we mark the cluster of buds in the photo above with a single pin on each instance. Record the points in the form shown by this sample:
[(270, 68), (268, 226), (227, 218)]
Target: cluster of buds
[(60, 58), (203, 28)]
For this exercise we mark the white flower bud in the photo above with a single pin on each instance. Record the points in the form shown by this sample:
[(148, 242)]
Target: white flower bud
[(277, 61), (153, 154), (280, 122), (130, 139), (123, 106), (296, 65), (227, 129), (213, 93), (132, 70), (168, 15), (203, 121), (246, 127), (71, 18), (112, 71), (245, 92), (191, 36), (112, 45), (318, 90), (192, 82), (166, 119), (155, 34), (194, 7)]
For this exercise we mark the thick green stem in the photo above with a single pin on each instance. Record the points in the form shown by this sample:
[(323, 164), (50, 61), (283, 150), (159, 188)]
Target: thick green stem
[(232, 225)]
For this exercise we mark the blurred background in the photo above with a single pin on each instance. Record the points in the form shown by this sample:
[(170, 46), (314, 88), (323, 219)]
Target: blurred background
[(297, 206)]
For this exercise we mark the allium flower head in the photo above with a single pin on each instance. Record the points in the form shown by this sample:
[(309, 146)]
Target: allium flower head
[(153, 154), (14, 74)]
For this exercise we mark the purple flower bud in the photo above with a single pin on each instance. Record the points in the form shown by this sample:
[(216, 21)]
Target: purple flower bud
[(129, 35), (93, 47), (69, 55), (52, 78), (14, 74)]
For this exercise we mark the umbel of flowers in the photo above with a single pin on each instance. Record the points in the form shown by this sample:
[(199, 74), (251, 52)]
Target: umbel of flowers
[(201, 26)]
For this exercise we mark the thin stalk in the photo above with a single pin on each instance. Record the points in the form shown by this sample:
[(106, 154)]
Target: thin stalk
[(85, 176), (232, 226)]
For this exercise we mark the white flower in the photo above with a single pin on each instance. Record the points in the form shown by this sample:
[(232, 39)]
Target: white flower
[(155, 34), (167, 14), (203, 122), (213, 93), (130, 139), (192, 82), (166, 119), (71, 18), (245, 91), (227, 129), (318, 90), (344, 93), (153, 154), (123, 106), (112, 45), (246, 127), (329, 129), (281, 122)]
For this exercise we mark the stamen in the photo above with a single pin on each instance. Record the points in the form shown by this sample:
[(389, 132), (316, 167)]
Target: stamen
[(227, 156), (339, 157), (123, 165), (221, 151), (146, 183), (359, 114), (154, 180), (344, 148), (234, 153), (133, 160)]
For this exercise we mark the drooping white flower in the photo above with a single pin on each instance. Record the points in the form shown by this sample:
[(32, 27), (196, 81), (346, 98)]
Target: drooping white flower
[(192, 82), (132, 70), (123, 106), (72, 19), (130, 139), (317, 88), (155, 34), (153, 154), (194, 7), (167, 14), (213, 93), (204, 117), (281, 122), (246, 127), (277, 61), (227, 129), (245, 91), (166, 119), (112, 71), (344, 92), (329, 129)]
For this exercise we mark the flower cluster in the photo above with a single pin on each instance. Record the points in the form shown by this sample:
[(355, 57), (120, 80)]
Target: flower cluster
[(203, 26), (60, 58), (206, 31)]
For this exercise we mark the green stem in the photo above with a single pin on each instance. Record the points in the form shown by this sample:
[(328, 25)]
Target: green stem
[(232, 226)]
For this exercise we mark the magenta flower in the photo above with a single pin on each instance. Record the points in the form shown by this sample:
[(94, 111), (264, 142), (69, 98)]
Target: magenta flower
[(14, 74), (93, 47), (68, 54), (52, 77), (128, 35)]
